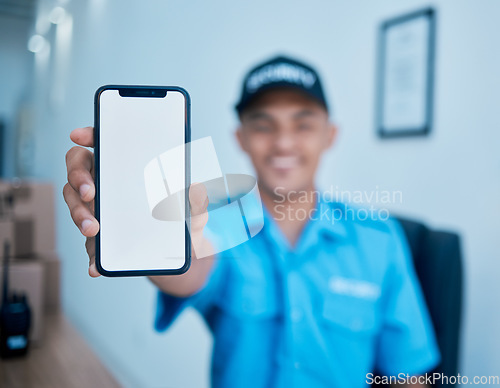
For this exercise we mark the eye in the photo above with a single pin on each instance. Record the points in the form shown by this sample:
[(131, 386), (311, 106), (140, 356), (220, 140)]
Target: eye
[(262, 128), (304, 127)]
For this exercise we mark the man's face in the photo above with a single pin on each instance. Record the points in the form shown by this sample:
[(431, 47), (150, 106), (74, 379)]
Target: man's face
[(285, 132)]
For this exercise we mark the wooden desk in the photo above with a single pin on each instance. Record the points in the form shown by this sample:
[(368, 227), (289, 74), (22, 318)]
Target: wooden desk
[(63, 360)]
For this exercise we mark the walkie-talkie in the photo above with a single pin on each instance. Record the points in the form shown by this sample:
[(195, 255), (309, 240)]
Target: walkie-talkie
[(15, 317)]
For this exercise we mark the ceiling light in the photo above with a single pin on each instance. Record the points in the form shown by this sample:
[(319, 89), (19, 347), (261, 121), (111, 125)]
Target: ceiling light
[(57, 15), (36, 43)]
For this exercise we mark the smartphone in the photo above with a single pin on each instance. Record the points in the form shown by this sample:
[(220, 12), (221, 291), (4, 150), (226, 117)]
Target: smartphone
[(134, 126)]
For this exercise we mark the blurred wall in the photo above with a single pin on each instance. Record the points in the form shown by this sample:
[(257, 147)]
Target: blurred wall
[(15, 76), (449, 179)]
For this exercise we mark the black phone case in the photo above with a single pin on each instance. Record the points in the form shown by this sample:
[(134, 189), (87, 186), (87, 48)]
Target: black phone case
[(142, 91)]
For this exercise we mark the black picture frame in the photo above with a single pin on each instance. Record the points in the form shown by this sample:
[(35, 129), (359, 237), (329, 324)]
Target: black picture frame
[(422, 100)]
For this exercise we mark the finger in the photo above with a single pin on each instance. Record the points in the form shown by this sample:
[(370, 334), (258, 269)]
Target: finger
[(90, 245), (80, 213), (93, 272), (79, 163), (202, 248), (83, 136), (198, 198)]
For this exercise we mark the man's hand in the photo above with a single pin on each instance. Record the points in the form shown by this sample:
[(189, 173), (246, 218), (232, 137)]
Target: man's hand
[(79, 194)]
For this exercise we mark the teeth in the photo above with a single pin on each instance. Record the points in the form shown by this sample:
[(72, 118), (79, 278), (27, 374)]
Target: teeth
[(284, 161)]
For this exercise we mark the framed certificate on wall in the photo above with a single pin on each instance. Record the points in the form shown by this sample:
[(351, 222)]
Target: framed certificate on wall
[(405, 75)]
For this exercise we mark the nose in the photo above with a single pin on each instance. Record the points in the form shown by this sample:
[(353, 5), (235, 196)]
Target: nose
[(284, 142)]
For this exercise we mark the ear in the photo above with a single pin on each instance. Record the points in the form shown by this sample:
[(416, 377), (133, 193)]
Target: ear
[(240, 136), (331, 135)]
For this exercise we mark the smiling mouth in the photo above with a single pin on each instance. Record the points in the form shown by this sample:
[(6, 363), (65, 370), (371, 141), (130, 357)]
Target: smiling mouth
[(284, 162)]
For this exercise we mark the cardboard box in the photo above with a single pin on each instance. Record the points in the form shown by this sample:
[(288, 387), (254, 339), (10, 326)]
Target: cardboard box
[(38, 205), (6, 233), (34, 216), (19, 234), (52, 282), (27, 276)]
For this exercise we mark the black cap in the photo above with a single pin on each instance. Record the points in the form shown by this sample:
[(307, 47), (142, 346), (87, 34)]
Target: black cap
[(277, 72)]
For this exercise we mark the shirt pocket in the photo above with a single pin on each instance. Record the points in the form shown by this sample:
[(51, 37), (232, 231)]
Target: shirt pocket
[(350, 315)]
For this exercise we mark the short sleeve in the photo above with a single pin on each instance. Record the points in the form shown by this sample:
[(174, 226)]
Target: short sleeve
[(169, 307), (407, 342)]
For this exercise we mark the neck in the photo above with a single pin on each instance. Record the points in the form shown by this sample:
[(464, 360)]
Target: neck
[(290, 211)]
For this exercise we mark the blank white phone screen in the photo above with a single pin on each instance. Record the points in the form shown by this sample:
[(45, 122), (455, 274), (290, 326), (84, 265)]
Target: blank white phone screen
[(132, 132)]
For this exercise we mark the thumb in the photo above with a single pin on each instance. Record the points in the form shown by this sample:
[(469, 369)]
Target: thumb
[(198, 199)]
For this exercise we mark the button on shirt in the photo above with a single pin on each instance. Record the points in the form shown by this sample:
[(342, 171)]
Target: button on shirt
[(343, 302)]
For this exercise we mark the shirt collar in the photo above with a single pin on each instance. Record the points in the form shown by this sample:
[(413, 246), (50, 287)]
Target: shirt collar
[(328, 219), (331, 217)]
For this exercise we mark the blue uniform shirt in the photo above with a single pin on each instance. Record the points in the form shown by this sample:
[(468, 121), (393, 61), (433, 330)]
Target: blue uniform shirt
[(345, 301)]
